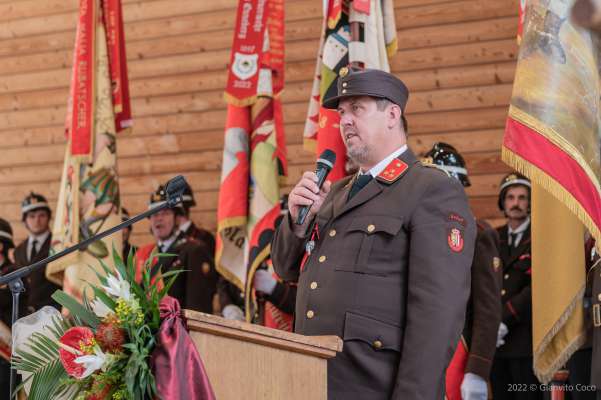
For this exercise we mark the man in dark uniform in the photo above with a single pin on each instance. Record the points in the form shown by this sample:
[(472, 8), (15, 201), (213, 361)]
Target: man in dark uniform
[(36, 214), (593, 262), (6, 243), (195, 287), (484, 307), (279, 293), (383, 258), (126, 232), (513, 360), (188, 227)]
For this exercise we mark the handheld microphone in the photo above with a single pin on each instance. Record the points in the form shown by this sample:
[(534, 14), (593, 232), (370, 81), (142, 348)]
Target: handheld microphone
[(325, 163)]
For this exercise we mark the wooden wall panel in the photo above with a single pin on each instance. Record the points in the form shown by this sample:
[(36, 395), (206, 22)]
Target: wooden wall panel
[(457, 57)]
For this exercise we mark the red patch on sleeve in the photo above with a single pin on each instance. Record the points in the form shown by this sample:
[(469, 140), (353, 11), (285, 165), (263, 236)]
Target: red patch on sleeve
[(455, 240), (457, 218)]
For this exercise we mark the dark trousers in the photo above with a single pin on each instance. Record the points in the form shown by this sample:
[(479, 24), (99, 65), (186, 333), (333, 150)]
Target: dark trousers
[(579, 366), (514, 379), (4, 380)]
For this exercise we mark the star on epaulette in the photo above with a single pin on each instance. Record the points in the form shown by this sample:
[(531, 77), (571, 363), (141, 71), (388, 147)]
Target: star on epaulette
[(393, 171)]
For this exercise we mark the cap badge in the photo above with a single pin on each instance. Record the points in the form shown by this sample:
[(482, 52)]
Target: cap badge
[(343, 72)]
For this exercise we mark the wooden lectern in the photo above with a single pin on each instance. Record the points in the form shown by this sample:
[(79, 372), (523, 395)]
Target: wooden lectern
[(246, 361)]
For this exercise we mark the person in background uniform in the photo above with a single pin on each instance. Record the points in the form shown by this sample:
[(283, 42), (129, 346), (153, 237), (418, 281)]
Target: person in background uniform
[(36, 214), (383, 258), (279, 293), (594, 262), (579, 364), (483, 314), (195, 287), (188, 227), (126, 232), (6, 243), (513, 360)]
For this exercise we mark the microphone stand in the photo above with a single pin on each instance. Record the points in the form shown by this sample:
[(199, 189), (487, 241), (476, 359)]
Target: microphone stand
[(174, 189)]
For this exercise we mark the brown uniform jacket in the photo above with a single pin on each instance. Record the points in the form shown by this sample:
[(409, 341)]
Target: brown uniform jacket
[(383, 276), (203, 236), (484, 307), (38, 289), (195, 287), (516, 296)]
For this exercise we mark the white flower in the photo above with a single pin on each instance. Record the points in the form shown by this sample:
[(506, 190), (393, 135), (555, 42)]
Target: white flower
[(117, 287), (100, 309), (93, 362)]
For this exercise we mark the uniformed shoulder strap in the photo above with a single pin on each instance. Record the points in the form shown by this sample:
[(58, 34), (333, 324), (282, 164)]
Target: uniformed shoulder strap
[(434, 166)]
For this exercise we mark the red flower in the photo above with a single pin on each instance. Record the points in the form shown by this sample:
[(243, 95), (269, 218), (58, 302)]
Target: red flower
[(110, 337), (76, 339), (99, 391)]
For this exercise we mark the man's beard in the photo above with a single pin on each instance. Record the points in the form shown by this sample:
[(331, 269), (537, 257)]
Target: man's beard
[(358, 154)]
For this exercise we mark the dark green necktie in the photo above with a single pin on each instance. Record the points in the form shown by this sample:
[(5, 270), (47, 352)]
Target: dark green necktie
[(359, 184)]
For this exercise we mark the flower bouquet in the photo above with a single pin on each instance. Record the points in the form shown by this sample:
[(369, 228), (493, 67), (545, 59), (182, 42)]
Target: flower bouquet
[(104, 348)]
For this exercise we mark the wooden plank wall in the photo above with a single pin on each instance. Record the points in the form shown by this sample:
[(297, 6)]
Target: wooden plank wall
[(456, 56)]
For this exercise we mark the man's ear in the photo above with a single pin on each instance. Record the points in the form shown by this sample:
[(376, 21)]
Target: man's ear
[(393, 115)]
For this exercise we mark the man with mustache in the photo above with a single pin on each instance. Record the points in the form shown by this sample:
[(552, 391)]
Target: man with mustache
[(513, 360), (383, 258)]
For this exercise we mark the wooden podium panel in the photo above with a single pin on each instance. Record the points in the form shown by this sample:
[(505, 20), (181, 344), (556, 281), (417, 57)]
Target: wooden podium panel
[(246, 361)]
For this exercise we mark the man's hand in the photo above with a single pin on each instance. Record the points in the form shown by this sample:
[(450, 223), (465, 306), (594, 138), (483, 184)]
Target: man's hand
[(264, 281), (473, 387), (306, 193), (501, 333)]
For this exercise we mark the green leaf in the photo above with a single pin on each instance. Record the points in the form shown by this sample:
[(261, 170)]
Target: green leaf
[(106, 299), (76, 309), (45, 382), (118, 261), (107, 270), (131, 262), (40, 356), (168, 284), (101, 278)]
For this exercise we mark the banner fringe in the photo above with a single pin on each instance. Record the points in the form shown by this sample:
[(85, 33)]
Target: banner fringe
[(540, 177)]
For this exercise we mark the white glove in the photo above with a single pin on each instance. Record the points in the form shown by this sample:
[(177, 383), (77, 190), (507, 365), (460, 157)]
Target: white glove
[(234, 312), (473, 387), (264, 281), (502, 332)]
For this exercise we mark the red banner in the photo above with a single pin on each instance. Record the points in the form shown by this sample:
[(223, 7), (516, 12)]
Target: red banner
[(361, 6), (275, 62), (456, 372), (82, 85), (113, 22), (247, 52), (275, 56)]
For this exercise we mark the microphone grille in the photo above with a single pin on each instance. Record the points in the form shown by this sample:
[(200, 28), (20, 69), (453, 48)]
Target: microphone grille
[(328, 157)]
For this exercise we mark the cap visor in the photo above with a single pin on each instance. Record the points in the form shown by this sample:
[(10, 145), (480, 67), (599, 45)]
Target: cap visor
[(332, 102)]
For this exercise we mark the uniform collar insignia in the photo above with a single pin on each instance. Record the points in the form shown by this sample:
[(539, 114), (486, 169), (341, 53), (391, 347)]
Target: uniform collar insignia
[(393, 171)]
